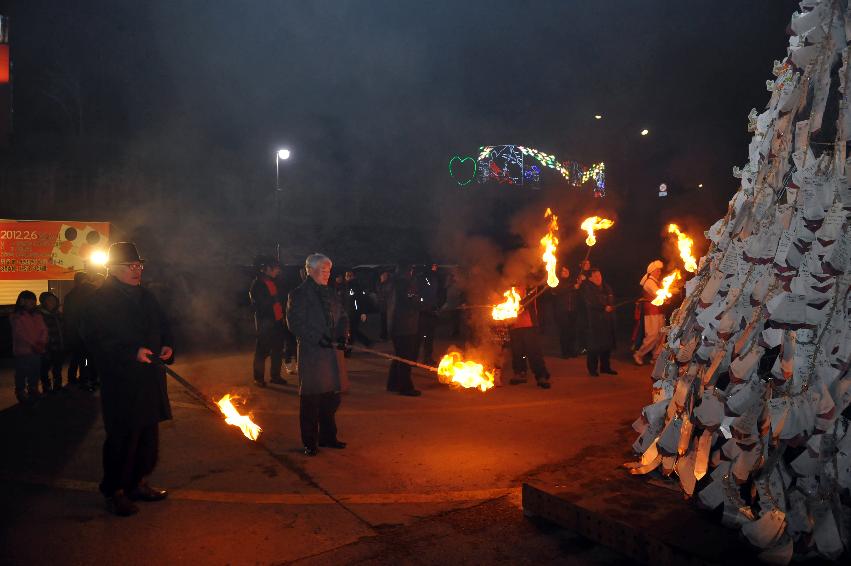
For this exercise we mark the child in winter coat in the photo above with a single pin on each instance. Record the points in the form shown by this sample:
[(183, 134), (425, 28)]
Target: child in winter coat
[(29, 342), (53, 358)]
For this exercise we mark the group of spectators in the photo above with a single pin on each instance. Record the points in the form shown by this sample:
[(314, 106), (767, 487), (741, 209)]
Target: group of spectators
[(407, 300), (585, 315), (46, 334)]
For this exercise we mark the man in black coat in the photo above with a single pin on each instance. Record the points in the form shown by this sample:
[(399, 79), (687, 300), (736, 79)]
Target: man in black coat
[(564, 304), (268, 321), (408, 299), (317, 318), (429, 318), (128, 334), (76, 303), (600, 338), (356, 302)]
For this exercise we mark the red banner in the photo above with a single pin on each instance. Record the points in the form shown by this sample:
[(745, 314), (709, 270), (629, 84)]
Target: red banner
[(43, 249)]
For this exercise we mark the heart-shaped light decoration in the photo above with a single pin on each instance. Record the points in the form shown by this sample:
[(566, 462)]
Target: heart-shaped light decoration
[(458, 170)]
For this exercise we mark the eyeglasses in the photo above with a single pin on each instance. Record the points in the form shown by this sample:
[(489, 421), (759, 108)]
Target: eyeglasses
[(133, 266)]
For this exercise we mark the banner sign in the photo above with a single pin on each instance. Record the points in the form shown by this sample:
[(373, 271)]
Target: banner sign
[(43, 249)]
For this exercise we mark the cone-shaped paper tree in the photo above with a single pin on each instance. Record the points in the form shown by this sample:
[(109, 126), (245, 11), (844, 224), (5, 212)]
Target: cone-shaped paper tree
[(752, 388)]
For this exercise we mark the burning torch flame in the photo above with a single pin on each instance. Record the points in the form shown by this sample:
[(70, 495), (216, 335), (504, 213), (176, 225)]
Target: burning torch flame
[(509, 308), (454, 370), (664, 293), (595, 223), (249, 429), (550, 243), (684, 243)]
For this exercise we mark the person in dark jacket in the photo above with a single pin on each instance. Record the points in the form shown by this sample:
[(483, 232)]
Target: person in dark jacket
[(355, 300), (600, 338), (129, 336), (317, 318), (268, 321), (581, 326), (429, 317), (382, 292), (564, 305), (54, 356), (29, 342), (76, 303), (403, 313)]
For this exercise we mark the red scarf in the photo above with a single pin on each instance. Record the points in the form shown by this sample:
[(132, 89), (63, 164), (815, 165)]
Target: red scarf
[(273, 291)]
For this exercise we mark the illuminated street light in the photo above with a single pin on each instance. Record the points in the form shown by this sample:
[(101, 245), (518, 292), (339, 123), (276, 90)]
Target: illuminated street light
[(700, 186), (644, 132), (282, 154), (598, 116)]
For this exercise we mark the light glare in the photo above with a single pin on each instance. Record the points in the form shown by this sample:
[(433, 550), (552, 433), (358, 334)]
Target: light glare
[(98, 257)]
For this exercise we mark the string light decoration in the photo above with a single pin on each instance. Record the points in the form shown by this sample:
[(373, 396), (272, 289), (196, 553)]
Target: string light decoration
[(517, 165)]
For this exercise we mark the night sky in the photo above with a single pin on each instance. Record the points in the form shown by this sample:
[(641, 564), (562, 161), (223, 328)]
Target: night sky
[(163, 117)]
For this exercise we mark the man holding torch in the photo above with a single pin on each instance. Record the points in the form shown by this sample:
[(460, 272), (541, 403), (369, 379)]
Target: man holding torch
[(316, 316), (126, 331), (653, 317)]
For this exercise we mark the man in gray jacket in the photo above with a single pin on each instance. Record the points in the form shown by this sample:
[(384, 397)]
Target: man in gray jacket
[(317, 318)]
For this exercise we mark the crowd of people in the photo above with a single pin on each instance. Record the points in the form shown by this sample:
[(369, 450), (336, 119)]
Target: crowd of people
[(45, 335), (115, 335)]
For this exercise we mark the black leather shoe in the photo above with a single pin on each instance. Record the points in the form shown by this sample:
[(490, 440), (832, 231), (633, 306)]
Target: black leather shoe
[(119, 504), (593, 373), (259, 383), (517, 380), (609, 371), (544, 384), (333, 444), (411, 393), (278, 381), (310, 451), (144, 492)]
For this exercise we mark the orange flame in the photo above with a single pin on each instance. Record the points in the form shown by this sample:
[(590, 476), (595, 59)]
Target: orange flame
[(509, 308), (232, 417), (550, 244), (455, 371), (593, 223), (684, 243), (664, 293)]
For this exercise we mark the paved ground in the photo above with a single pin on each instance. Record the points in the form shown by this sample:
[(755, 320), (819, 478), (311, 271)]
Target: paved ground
[(426, 480)]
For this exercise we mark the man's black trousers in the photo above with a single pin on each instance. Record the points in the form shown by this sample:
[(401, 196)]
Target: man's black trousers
[(566, 322), (270, 343), (317, 418), (526, 347), (593, 358), (129, 455), (399, 378)]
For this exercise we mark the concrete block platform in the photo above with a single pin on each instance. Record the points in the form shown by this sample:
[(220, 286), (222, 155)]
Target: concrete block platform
[(645, 518)]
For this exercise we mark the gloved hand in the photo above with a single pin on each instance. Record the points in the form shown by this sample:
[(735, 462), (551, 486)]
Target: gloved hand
[(341, 344), (325, 341)]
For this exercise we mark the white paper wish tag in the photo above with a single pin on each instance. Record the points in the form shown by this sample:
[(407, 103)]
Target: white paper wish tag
[(797, 517), (778, 410), (826, 531), (788, 309), (767, 530), (710, 411)]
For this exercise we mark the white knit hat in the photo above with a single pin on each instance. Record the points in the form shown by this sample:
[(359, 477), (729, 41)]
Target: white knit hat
[(654, 265)]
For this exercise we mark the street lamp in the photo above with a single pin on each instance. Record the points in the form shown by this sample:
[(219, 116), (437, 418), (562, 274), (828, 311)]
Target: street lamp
[(281, 155)]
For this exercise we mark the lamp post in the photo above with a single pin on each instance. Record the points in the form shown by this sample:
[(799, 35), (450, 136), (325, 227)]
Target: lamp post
[(280, 155)]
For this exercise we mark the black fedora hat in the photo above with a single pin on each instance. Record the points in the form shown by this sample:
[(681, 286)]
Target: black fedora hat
[(123, 252)]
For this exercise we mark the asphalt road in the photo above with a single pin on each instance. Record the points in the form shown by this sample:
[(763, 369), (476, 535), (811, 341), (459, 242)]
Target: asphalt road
[(428, 480)]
